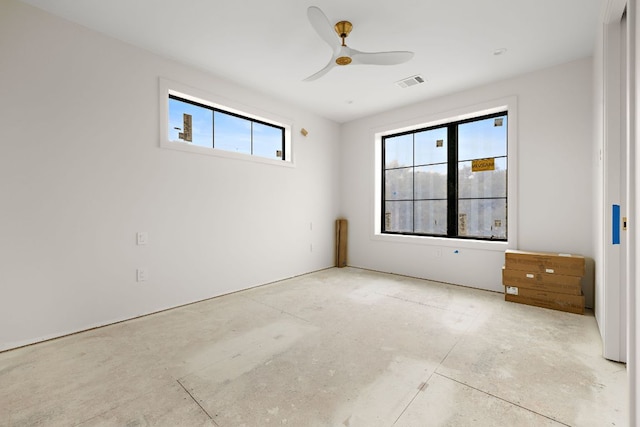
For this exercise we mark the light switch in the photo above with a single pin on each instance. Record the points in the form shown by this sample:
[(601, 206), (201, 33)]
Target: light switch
[(142, 238), (142, 275)]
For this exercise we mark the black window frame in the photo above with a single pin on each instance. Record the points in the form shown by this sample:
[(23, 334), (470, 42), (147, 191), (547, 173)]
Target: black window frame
[(249, 119), (452, 180)]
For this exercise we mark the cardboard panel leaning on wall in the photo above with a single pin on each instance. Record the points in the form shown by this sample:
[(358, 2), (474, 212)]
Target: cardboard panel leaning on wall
[(81, 172)]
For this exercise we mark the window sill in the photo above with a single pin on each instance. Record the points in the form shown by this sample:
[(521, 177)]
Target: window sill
[(190, 148), (444, 242)]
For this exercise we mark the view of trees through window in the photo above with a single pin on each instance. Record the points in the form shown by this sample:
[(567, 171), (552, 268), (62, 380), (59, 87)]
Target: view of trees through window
[(448, 181), (215, 128)]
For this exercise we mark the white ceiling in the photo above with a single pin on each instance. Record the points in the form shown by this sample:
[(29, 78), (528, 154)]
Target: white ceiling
[(269, 45)]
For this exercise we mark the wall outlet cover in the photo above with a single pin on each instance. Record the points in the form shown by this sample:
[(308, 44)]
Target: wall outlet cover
[(142, 238)]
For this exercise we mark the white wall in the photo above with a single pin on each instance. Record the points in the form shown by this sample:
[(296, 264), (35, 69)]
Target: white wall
[(554, 175), (81, 171)]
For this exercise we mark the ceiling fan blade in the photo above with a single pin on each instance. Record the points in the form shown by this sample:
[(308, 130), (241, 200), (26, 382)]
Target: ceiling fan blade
[(323, 27), (325, 70), (380, 58)]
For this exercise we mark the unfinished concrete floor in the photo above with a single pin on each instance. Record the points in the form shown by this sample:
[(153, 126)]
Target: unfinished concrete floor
[(339, 347)]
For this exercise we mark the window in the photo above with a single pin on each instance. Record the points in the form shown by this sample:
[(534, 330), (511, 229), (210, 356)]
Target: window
[(448, 180), (196, 121), (203, 125)]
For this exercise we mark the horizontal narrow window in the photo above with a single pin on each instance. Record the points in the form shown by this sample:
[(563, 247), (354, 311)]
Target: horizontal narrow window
[(195, 123)]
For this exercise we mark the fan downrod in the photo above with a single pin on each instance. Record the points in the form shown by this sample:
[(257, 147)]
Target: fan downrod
[(343, 28)]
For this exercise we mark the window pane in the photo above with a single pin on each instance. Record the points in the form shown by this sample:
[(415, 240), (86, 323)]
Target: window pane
[(431, 146), (398, 217), (486, 218), (398, 151), (201, 123), (398, 184), (232, 133), (431, 182), (267, 141), (431, 217), (482, 139), (482, 184)]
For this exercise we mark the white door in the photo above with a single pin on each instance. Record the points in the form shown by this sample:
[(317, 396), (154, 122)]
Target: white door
[(612, 313)]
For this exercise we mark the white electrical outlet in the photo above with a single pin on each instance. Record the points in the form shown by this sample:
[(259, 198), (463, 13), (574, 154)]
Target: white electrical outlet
[(142, 238), (142, 275)]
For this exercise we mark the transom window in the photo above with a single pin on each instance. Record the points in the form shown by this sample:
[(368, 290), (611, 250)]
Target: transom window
[(202, 125), (448, 180)]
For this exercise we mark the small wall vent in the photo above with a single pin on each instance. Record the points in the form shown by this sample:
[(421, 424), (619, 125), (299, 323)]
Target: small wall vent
[(410, 81)]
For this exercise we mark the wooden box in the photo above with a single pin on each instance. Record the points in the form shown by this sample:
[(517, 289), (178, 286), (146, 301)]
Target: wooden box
[(552, 300), (546, 282), (544, 262)]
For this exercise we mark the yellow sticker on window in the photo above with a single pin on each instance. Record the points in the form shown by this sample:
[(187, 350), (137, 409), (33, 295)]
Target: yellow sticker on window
[(481, 165)]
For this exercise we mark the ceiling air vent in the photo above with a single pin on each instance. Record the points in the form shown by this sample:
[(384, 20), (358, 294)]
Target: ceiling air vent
[(410, 81)]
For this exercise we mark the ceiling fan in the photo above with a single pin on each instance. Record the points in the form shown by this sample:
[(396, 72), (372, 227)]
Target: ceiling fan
[(343, 54)]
